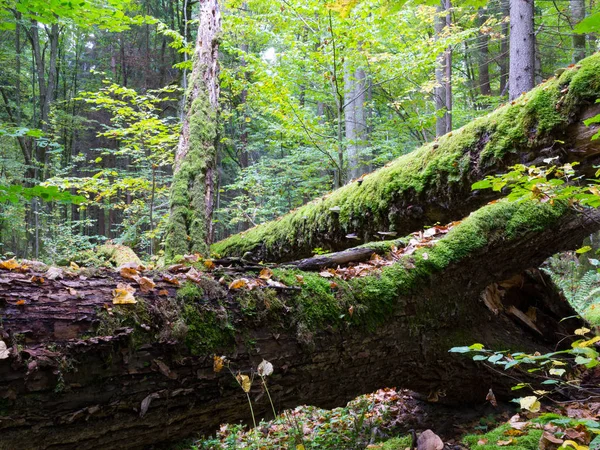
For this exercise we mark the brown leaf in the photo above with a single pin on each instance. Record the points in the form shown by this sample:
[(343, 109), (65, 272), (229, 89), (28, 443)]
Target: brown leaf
[(244, 382), (73, 292), (490, 397), (146, 284), (209, 264), (326, 274), (37, 280), (351, 310), (163, 293), (20, 302), (510, 441), (300, 279), (194, 275), (53, 273), (265, 273), (128, 273), (218, 363), (170, 279)]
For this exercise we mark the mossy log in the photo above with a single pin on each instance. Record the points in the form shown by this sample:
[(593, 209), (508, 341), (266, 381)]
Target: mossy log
[(433, 183), (83, 373)]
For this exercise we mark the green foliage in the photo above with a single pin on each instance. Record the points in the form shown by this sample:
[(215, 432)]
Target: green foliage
[(529, 441)]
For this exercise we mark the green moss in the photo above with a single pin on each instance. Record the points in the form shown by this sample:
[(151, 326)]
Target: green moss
[(529, 441), (398, 443), (187, 227), (208, 326), (107, 255), (131, 316), (530, 123), (592, 314), (376, 296)]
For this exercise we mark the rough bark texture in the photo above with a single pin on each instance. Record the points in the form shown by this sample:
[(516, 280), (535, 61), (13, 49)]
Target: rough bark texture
[(78, 377), (433, 183), (443, 74), (355, 87), (192, 192), (521, 77)]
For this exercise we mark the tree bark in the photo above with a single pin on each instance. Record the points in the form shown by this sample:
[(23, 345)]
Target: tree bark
[(521, 77), (433, 183), (83, 373), (483, 55), (192, 192), (577, 15), (355, 87), (443, 74)]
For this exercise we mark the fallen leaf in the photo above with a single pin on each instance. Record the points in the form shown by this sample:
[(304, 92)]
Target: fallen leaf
[(10, 264), (53, 273), (123, 294), (300, 279), (429, 441), (510, 441), (238, 284), (146, 284), (265, 273), (326, 274), (351, 310), (163, 293), (38, 280), (73, 266), (194, 275), (20, 302), (482, 441), (209, 264), (425, 255), (129, 273), (275, 284), (170, 279), (4, 351), (530, 403), (73, 292)]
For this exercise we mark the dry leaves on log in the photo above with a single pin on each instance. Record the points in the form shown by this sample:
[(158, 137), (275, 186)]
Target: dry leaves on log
[(123, 294), (4, 351)]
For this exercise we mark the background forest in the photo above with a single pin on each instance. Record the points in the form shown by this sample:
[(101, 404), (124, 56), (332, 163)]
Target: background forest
[(313, 95)]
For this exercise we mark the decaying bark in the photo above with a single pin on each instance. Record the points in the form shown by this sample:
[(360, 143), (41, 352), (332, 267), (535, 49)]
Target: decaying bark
[(433, 183), (82, 373)]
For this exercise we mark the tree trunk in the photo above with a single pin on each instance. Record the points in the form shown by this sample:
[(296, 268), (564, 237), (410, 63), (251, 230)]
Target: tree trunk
[(577, 15), (443, 73), (521, 77), (192, 192), (483, 55), (84, 373), (355, 84), (433, 183)]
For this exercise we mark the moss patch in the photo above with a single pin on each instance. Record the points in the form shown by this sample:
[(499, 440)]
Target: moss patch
[(208, 326), (452, 163), (529, 441)]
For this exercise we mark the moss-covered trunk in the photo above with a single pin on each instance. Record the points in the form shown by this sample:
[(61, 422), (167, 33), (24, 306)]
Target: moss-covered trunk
[(192, 192), (433, 183), (84, 373)]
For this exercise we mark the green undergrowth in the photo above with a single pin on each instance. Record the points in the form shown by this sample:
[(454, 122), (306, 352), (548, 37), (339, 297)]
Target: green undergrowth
[(106, 255), (501, 438), (528, 123)]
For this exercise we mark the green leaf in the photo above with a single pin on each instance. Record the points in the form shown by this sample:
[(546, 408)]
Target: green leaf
[(583, 249), (590, 24)]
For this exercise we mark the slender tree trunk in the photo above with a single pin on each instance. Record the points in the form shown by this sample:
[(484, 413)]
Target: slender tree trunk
[(483, 55), (504, 49), (443, 74), (192, 192), (521, 76), (577, 15)]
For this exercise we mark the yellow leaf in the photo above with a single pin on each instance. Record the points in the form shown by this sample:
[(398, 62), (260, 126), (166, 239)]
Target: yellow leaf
[(588, 342), (530, 403), (299, 447), (209, 264), (74, 266), (238, 284), (582, 331), (10, 264), (123, 295), (575, 445), (244, 381), (265, 273), (218, 363)]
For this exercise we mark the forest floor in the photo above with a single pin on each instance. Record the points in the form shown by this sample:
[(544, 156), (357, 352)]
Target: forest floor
[(384, 420)]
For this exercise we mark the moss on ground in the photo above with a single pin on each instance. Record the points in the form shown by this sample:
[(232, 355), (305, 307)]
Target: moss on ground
[(529, 441), (528, 123), (107, 255)]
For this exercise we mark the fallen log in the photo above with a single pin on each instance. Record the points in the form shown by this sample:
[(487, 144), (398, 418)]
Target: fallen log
[(433, 183), (81, 372)]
